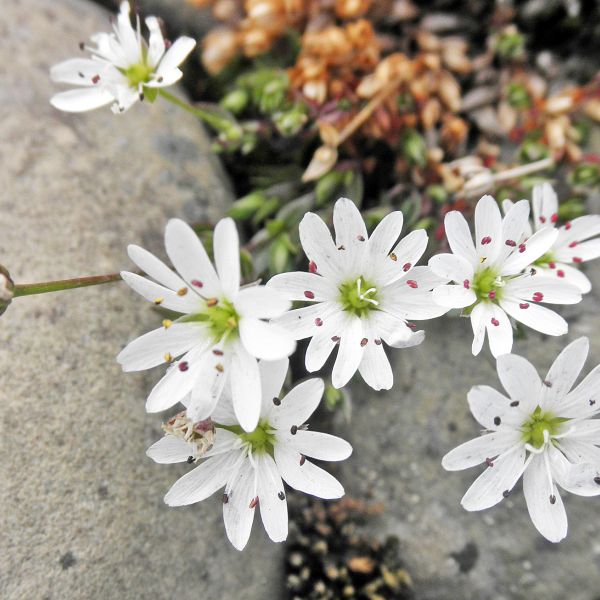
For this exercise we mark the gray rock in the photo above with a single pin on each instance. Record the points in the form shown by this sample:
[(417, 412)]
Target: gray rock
[(81, 505), (399, 438)]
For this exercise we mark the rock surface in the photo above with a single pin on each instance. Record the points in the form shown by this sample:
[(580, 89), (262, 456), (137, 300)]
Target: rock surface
[(399, 438), (81, 506)]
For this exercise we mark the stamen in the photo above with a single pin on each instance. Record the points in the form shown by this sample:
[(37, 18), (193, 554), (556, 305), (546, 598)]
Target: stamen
[(506, 493), (312, 266), (511, 243), (190, 460), (542, 219), (407, 267), (81, 75), (466, 284), (412, 284), (364, 342), (281, 495), (360, 238), (183, 366), (158, 301), (167, 323), (522, 248), (302, 459), (318, 322), (554, 217), (552, 499), (489, 462), (253, 502), (568, 225), (497, 421), (335, 338), (547, 383), (486, 240), (577, 259), (294, 429), (95, 79), (182, 291), (308, 294), (217, 352), (168, 358), (573, 244), (492, 295), (342, 247), (377, 342), (212, 302), (552, 265), (524, 305), (495, 322), (537, 297), (560, 273), (276, 401), (393, 256), (219, 367), (597, 480), (197, 283), (514, 403)]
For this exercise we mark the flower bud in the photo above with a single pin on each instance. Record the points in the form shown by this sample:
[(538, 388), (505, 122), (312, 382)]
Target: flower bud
[(6, 289), (245, 207), (235, 101)]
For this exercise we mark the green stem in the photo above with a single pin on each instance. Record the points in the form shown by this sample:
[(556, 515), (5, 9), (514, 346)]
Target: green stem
[(29, 289), (207, 116)]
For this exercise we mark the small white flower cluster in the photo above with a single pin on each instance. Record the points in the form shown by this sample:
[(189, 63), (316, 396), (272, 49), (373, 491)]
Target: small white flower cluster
[(228, 347), (227, 355)]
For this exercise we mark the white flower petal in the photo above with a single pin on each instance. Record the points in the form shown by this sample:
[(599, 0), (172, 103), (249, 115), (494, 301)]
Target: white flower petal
[(178, 381), (453, 296), (451, 267), (384, 238), (319, 247), (375, 367), (582, 479), (391, 329), (499, 330), (581, 253), (223, 412), (578, 451), (350, 236), (315, 444), (261, 301), (265, 340), (245, 388), (492, 485), (298, 404), (304, 286), (156, 42), (307, 478), (209, 384), (271, 498), (81, 100), (584, 400), (226, 246), (238, 511), (476, 451), (459, 236), (350, 352), (563, 373), (176, 54), (567, 274), (537, 317), (488, 228), (155, 268), (493, 410), (309, 320), (190, 259), (541, 289), (154, 347), (319, 348), (578, 230), (549, 518), (160, 295), (83, 71), (170, 449), (479, 316), (520, 380), (545, 205), (515, 226), (404, 256), (200, 483), (527, 253), (272, 377)]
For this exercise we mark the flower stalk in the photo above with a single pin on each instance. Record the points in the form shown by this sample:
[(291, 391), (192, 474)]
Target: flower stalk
[(30, 289)]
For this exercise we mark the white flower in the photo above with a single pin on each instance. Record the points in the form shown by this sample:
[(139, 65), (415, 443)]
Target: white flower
[(251, 466), (572, 246), (488, 278), (123, 67), (543, 431), (364, 291), (221, 332)]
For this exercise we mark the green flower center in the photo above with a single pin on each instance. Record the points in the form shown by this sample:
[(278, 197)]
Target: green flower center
[(220, 316), (261, 440), (487, 284), (358, 297), (545, 260), (533, 429), (138, 73)]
